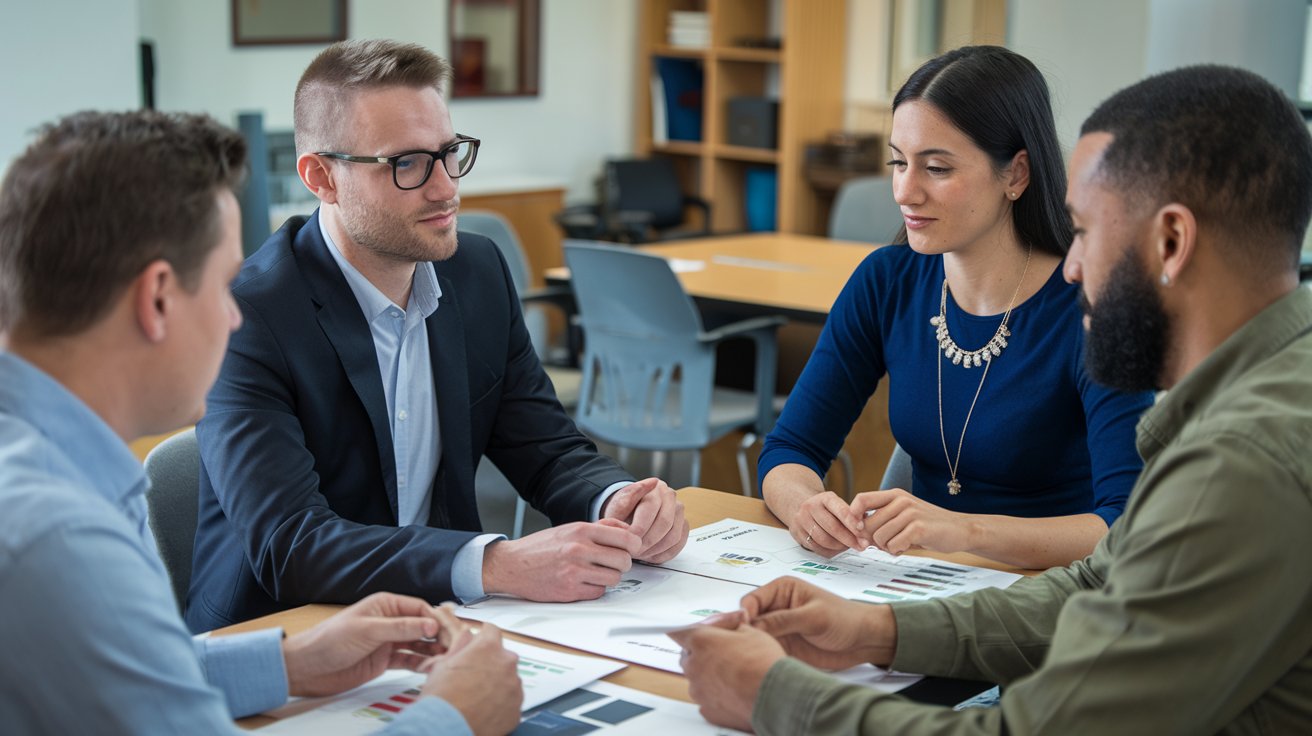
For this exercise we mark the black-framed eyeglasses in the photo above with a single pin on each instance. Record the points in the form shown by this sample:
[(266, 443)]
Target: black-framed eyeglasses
[(411, 169)]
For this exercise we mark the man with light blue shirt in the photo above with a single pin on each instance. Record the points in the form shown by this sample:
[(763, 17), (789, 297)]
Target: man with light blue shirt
[(382, 357), (119, 235)]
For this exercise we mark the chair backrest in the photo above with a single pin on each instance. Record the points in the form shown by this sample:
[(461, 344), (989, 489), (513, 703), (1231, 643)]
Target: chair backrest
[(864, 211), (647, 378), (173, 468), (645, 185), (898, 474), (499, 230)]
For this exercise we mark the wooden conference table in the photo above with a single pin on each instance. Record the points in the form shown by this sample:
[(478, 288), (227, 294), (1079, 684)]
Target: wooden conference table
[(701, 506), (798, 276)]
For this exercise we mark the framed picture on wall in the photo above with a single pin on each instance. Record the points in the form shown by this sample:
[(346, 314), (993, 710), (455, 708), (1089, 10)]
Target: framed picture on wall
[(267, 22)]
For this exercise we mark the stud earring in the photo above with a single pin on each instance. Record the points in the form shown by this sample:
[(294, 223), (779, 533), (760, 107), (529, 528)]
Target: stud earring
[(1013, 195), (1166, 280)]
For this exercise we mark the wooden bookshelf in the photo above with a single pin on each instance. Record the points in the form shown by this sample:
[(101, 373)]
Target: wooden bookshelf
[(805, 76)]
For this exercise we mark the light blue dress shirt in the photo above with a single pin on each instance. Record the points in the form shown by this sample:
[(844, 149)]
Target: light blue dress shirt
[(404, 363), (90, 634)]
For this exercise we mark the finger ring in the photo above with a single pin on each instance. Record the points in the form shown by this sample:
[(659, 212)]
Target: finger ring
[(808, 539)]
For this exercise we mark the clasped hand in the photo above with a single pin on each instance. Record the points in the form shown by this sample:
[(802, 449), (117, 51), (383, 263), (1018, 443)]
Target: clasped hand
[(894, 521)]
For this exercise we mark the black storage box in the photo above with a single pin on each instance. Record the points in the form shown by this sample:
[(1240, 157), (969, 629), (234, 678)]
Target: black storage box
[(754, 122)]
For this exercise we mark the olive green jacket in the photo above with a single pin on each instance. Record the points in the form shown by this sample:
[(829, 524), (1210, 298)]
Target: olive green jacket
[(1192, 616)]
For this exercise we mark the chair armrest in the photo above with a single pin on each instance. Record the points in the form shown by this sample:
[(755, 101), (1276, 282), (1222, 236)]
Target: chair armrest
[(559, 296), (744, 328), (760, 330), (701, 204)]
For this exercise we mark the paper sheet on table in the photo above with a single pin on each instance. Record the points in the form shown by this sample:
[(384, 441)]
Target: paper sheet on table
[(617, 710), (686, 265), (647, 596), (546, 674), (744, 552)]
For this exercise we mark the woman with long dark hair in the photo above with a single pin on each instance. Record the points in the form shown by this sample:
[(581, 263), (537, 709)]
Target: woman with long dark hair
[(1016, 454)]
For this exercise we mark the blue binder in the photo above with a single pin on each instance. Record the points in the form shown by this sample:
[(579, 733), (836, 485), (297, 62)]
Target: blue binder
[(683, 80)]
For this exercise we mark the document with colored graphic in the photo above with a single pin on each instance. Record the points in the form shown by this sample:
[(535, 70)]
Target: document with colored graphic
[(749, 553), (546, 674), (615, 709), (648, 597)]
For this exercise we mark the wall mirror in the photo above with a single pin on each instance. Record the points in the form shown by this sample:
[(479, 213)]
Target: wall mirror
[(267, 22), (495, 47)]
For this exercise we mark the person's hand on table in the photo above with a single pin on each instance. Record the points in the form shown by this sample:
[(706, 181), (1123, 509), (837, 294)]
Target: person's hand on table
[(571, 562), (653, 512), (826, 525), (480, 678), (820, 628), (902, 522), (725, 661), (357, 644)]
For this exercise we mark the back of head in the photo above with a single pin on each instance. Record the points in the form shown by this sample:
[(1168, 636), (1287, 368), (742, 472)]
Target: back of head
[(324, 93), (1223, 142), (99, 196), (999, 100)]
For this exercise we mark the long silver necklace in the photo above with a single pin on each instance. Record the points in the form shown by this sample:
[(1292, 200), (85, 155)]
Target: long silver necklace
[(968, 358)]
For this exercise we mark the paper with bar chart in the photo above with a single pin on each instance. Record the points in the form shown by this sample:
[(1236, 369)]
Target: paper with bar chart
[(648, 597), (614, 709), (744, 552), (546, 674)]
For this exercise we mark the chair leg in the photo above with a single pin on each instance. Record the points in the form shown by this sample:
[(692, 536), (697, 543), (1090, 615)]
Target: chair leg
[(696, 468), (658, 463), (846, 460), (520, 507), (744, 477)]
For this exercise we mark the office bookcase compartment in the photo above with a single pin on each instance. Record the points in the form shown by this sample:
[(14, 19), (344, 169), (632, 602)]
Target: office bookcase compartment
[(796, 59)]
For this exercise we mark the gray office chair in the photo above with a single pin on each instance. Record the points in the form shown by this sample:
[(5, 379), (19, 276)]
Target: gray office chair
[(173, 468), (564, 379), (649, 364), (864, 211), (898, 472)]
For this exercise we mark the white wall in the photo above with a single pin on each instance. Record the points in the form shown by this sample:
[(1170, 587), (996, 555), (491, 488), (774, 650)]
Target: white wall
[(61, 56), (583, 114), (1086, 50), (1265, 36)]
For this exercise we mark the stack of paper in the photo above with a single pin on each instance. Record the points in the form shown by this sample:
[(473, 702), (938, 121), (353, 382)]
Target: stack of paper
[(689, 29)]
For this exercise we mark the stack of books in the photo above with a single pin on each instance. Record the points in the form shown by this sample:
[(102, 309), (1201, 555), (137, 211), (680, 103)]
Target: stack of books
[(689, 29)]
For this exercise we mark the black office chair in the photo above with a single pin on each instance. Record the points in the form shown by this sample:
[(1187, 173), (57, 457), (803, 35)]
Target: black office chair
[(641, 202)]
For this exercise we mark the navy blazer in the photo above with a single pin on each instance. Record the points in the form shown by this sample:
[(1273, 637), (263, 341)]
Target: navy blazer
[(298, 476)]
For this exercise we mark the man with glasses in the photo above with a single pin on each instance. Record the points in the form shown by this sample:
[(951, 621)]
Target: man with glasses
[(382, 356)]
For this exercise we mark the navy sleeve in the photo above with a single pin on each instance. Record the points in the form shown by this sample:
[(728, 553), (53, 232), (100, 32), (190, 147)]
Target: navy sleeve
[(838, 380), (1111, 417)]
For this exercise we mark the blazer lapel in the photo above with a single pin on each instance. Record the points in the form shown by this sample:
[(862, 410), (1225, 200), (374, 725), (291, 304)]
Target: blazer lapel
[(346, 328), (446, 345)]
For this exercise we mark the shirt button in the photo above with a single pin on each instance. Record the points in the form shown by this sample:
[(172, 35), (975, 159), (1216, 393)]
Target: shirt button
[(401, 415), (396, 314)]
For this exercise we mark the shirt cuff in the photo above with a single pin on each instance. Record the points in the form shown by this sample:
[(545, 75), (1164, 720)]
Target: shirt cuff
[(920, 636), (594, 512), (247, 668), (429, 716), (467, 568)]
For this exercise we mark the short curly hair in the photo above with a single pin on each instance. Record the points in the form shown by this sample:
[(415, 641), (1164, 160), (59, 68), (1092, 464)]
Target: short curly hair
[(1223, 142)]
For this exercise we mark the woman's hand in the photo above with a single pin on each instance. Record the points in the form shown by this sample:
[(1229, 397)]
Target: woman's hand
[(825, 525), (901, 522)]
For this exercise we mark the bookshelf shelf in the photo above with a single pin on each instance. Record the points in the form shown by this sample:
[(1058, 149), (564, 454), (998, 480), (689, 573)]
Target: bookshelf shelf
[(804, 75)]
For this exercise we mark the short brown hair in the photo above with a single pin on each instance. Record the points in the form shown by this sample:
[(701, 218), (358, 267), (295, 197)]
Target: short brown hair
[(326, 87), (99, 196)]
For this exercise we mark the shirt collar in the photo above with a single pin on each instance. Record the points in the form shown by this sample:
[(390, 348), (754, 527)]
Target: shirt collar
[(424, 289), (106, 464), (1264, 335)]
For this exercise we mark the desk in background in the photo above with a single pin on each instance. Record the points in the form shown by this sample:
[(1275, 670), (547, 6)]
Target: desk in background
[(529, 203), (800, 277), (702, 506)]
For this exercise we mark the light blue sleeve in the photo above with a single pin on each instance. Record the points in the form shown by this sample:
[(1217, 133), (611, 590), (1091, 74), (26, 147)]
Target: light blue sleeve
[(93, 641), (467, 568), (247, 668)]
